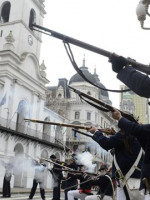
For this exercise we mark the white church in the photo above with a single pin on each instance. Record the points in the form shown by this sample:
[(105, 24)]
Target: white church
[(22, 92)]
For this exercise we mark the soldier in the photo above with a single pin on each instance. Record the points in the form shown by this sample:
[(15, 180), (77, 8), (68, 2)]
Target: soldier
[(7, 179), (85, 188), (126, 159), (142, 133), (136, 81), (105, 185), (57, 177), (70, 180), (40, 168)]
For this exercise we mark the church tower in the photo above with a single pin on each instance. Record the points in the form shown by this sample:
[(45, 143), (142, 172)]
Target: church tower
[(16, 16), (20, 71)]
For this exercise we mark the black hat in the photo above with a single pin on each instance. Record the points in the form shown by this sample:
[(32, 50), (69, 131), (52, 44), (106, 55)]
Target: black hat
[(52, 156), (79, 165), (103, 167)]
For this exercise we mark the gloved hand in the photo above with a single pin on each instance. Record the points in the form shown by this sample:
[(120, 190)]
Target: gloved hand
[(118, 63)]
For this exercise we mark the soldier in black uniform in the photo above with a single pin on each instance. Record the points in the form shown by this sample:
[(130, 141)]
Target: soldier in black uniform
[(70, 180), (57, 177), (85, 188), (136, 81), (105, 185), (7, 178), (142, 133)]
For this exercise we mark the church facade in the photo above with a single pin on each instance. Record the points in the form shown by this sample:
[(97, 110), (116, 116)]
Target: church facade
[(22, 89)]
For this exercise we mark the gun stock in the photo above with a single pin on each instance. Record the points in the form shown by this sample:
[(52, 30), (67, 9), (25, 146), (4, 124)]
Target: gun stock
[(107, 130)]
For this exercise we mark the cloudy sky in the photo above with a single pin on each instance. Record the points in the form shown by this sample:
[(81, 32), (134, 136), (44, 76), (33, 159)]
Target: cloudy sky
[(111, 25)]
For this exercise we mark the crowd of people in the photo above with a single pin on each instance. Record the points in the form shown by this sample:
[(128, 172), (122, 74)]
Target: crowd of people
[(77, 183)]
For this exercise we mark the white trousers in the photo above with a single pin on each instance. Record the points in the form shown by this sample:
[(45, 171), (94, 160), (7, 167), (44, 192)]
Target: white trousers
[(120, 194), (75, 194), (147, 197), (97, 197)]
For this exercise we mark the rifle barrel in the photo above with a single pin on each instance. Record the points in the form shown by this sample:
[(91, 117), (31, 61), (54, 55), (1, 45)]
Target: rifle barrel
[(139, 66), (50, 161), (74, 41), (74, 171)]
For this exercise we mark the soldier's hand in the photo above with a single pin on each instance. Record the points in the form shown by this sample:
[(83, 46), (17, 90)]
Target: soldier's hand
[(118, 62), (116, 114), (92, 129)]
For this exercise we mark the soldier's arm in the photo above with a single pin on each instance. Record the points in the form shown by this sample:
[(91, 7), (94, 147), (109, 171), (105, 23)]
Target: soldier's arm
[(136, 81)]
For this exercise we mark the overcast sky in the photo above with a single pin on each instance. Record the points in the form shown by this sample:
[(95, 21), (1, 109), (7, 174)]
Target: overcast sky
[(108, 24)]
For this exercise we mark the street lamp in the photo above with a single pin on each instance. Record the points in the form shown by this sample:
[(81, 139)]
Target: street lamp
[(142, 12)]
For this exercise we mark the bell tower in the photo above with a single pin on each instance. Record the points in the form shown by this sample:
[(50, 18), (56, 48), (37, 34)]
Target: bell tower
[(16, 16), (22, 77)]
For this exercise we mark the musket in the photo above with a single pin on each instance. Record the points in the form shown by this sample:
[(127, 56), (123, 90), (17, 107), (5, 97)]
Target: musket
[(65, 168), (66, 39), (90, 179), (99, 102), (107, 131), (74, 171), (61, 164)]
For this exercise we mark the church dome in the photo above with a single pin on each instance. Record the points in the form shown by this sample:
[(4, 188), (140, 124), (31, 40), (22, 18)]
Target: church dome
[(92, 77), (78, 78)]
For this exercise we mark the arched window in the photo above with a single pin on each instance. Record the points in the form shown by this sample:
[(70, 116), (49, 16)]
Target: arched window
[(58, 135), (46, 129), (77, 115), (44, 154), (22, 113), (88, 116), (19, 163), (59, 96), (32, 18), (18, 149), (5, 12)]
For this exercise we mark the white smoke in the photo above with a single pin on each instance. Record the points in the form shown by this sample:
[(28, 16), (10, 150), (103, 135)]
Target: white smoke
[(22, 165), (86, 159)]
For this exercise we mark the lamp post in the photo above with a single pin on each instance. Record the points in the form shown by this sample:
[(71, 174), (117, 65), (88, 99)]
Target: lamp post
[(142, 12)]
